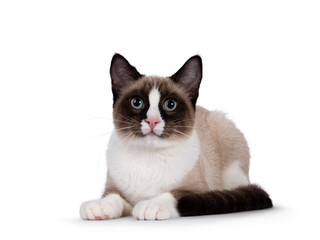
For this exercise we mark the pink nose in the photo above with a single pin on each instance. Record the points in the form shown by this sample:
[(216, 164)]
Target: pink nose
[(152, 122)]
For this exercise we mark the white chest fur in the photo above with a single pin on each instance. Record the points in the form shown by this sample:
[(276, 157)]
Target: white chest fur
[(143, 173)]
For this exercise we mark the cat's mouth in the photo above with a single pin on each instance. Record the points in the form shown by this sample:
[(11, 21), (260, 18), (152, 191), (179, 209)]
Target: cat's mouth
[(152, 134)]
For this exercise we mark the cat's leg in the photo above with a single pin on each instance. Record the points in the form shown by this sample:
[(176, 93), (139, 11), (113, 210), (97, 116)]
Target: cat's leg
[(158, 208), (233, 176), (109, 207)]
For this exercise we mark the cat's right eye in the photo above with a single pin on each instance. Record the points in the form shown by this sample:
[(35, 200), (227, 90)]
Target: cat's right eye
[(136, 103)]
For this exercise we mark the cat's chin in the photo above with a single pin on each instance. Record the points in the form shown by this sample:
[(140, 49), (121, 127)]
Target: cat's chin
[(150, 140), (153, 140), (152, 135)]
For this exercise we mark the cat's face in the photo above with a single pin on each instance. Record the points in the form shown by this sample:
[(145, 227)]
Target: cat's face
[(154, 111)]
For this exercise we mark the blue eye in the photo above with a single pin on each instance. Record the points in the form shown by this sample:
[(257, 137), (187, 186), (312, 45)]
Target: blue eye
[(136, 103), (170, 105)]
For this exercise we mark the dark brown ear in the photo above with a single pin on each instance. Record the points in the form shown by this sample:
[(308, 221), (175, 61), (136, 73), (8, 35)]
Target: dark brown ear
[(189, 77), (122, 74)]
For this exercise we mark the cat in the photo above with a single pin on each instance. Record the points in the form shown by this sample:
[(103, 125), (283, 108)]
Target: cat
[(168, 157)]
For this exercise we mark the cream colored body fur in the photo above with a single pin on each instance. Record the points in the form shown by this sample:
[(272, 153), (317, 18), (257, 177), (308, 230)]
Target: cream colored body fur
[(215, 157)]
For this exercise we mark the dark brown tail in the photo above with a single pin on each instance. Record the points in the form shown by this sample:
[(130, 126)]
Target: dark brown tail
[(245, 198)]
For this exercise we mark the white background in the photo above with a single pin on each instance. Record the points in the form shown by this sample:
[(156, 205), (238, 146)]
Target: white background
[(261, 65)]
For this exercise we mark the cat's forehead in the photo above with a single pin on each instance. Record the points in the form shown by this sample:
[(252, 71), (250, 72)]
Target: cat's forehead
[(165, 86)]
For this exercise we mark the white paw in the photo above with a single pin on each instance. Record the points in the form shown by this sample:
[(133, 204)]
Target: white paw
[(106, 208), (158, 208)]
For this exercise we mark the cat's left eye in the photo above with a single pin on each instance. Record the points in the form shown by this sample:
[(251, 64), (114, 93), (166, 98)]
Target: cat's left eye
[(170, 105)]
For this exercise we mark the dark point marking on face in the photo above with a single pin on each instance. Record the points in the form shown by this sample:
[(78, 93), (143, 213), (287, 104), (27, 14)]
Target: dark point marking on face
[(182, 87)]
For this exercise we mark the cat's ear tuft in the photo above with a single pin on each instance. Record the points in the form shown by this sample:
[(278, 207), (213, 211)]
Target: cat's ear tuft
[(122, 74), (189, 77)]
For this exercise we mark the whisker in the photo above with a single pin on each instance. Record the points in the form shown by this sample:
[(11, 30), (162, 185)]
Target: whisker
[(181, 132), (180, 121), (126, 117), (204, 132), (132, 138), (189, 136), (116, 120), (110, 132), (126, 136), (169, 126), (118, 129)]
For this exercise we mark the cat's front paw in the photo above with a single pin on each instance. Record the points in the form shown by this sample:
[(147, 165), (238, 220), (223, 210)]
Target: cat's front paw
[(158, 208), (102, 209)]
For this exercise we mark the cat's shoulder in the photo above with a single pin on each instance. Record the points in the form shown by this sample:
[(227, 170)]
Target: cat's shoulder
[(204, 116), (216, 122)]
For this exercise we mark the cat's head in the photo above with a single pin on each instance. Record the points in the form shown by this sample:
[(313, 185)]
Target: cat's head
[(154, 111)]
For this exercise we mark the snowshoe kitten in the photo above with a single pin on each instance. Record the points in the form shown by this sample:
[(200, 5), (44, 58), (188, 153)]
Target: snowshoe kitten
[(169, 157)]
